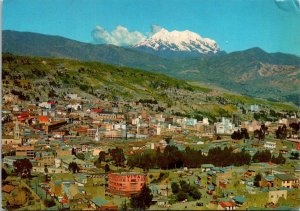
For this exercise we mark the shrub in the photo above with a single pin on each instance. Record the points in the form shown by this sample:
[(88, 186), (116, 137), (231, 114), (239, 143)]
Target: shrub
[(181, 196)]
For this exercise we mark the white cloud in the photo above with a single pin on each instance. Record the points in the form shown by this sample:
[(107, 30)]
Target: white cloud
[(155, 28), (120, 36)]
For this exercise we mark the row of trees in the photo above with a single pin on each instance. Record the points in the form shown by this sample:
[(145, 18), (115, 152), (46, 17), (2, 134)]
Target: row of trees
[(266, 156), (283, 132), (173, 158), (240, 134)]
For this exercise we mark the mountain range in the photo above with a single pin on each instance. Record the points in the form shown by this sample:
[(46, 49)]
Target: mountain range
[(252, 72), (178, 44)]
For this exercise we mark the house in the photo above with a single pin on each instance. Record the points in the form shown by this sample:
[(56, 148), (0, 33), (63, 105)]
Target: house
[(57, 187), (206, 167), (267, 181), (154, 189), (220, 178), (254, 108), (80, 179), (62, 151), (285, 180), (64, 161), (43, 119), (226, 205), (45, 158), (8, 188), (239, 200), (79, 202), (27, 151), (10, 140), (99, 203), (270, 145), (224, 127), (163, 202), (51, 170), (276, 194)]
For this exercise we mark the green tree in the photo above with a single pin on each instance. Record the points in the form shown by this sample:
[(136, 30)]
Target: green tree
[(181, 196), (4, 174), (185, 187), (106, 168), (142, 200), (280, 159), (117, 156), (294, 155), (73, 166), (195, 193), (281, 133), (175, 187), (23, 167), (102, 155), (49, 202)]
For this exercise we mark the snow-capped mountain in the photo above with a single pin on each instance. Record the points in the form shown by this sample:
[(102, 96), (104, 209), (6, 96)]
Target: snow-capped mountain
[(178, 44)]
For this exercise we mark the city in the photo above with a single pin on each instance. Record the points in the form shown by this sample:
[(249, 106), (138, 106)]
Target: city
[(150, 105)]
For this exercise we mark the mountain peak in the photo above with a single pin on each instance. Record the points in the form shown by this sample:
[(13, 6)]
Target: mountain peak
[(178, 42)]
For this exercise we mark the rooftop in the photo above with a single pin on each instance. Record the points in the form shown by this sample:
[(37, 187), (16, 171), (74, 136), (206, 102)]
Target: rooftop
[(227, 204), (285, 177), (99, 201)]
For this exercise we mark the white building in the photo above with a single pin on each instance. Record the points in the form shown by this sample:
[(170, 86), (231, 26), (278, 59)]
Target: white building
[(270, 145), (254, 108), (276, 194), (224, 127), (205, 121)]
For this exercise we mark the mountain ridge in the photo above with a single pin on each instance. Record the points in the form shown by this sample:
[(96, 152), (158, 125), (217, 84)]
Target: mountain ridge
[(253, 72), (177, 43)]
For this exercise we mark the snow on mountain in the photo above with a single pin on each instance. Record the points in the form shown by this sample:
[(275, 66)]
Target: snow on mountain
[(179, 41)]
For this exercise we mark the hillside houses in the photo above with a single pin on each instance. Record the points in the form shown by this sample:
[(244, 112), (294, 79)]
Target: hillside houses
[(65, 139)]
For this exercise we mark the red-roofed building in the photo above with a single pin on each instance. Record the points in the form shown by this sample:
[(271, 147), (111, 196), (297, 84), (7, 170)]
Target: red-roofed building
[(52, 102), (43, 119), (81, 130), (97, 110), (23, 116), (226, 205), (8, 188), (298, 146)]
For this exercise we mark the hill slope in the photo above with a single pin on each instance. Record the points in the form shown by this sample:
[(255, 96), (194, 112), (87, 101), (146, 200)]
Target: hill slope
[(34, 44), (51, 79), (253, 72)]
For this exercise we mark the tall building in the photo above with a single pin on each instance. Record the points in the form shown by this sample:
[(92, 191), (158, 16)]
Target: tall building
[(126, 183)]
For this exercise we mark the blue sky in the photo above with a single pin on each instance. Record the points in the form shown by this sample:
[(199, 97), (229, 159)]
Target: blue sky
[(234, 24)]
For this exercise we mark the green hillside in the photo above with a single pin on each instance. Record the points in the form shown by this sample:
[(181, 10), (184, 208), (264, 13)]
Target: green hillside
[(253, 72), (33, 44), (51, 79)]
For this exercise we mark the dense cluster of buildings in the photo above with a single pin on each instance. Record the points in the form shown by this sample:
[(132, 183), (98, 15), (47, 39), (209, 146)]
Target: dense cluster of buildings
[(51, 134)]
